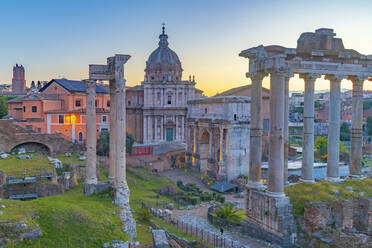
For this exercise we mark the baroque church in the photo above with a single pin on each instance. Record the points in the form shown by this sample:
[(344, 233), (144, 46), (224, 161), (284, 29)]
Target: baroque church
[(165, 95)]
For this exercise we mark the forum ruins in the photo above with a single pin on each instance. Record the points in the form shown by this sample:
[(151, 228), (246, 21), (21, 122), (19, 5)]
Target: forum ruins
[(317, 54)]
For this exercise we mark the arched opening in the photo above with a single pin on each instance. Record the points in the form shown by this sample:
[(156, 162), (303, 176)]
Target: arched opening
[(32, 147), (204, 151), (80, 137)]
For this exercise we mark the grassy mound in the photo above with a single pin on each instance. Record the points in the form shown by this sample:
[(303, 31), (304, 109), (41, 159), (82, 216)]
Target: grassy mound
[(76, 220), (302, 193), (72, 220)]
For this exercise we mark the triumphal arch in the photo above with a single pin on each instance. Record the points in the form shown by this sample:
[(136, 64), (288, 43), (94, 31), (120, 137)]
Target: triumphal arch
[(320, 53)]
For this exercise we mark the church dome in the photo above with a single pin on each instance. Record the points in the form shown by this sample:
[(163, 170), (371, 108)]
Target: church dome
[(163, 63)]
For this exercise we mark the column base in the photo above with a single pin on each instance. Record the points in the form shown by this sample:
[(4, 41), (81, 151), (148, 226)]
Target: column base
[(310, 181), (356, 176), (275, 194), (269, 218), (255, 185), (333, 179), (99, 187)]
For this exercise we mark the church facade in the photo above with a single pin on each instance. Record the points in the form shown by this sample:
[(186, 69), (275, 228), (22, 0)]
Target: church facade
[(165, 96)]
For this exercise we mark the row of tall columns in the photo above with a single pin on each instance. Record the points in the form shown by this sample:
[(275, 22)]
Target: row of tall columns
[(333, 128), (91, 173)]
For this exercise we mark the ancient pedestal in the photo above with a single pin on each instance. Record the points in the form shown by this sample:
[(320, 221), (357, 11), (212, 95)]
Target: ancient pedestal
[(269, 218)]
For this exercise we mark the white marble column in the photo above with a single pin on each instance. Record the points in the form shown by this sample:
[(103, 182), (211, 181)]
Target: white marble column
[(113, 128), (144, 129), (308, 129), (256, 131), (91, 174), (357, 127), (276, 146), (334, 129), (285, 130), (183, 129)]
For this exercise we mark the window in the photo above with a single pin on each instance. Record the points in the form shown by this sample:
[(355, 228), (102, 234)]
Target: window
[(129, 102), (61, 119), (97, 102), (78, 103), (24, 108), (108, 103), (80, 137), (234, 117), (205, 110), (152, 78), (104, 118), (39, 129), (34, 109), (169, 99)]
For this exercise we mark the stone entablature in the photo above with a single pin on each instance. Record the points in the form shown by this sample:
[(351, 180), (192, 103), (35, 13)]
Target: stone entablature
[(216, 141)]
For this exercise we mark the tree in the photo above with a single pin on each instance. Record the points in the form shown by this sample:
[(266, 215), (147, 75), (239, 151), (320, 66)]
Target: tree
[(103, 143), (369, 126), (345, 132), (3, 106), (228, 213), (321, 146)]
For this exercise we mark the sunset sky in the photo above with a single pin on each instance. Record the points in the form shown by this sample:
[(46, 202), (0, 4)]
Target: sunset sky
[(54, 39)]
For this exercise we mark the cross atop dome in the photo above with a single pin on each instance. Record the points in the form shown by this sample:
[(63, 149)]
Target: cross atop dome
[(163, 28)]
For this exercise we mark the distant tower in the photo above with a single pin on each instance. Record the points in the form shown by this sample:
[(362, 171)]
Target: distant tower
[(18, 81)]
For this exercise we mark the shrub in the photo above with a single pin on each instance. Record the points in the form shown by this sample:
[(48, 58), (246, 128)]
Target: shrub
[(145, 214), (194, 200), (228, 213)]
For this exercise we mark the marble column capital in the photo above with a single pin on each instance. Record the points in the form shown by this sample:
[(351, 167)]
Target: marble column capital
[(256, 75), (309, 76), (335, 78), (357, 79)]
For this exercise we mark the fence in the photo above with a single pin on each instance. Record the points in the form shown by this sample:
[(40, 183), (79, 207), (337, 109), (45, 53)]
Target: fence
[(213, 238)]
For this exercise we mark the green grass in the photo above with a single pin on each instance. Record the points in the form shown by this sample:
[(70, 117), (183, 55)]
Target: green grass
[(76, 220), (13, 165), (302, 193), (69, 160)]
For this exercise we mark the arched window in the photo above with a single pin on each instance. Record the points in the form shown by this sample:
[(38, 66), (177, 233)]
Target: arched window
[(169, 99), (80, 137)]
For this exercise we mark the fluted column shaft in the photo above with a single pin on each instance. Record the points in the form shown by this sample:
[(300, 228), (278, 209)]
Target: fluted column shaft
[(356, 127), (112, 153), (333, 156), (255, 131), (276, 146), (91, 176), (307, 174)]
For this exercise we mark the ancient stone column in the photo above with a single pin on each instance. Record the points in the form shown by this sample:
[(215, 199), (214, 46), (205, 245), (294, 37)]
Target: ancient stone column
[(91, 176), (307, 174), (113, 128), (196, 145), (285, 130), (356, 127), (333, 155), (256, 131), (276, 146)]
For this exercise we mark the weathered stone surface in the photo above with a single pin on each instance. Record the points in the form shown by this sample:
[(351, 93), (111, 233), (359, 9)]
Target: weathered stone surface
[(96, 188), (159, 239)]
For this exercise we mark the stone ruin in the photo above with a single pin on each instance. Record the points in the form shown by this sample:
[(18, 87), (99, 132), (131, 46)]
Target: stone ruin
[(320, 53), (114, 72)]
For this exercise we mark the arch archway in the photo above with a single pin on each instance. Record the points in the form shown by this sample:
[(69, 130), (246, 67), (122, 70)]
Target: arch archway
[(31, 146)]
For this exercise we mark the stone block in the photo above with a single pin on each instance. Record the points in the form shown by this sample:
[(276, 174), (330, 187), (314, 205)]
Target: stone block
[(160, 239), (96, 188)]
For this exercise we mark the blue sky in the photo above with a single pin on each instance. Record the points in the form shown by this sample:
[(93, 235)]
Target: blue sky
[(61, 38)]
